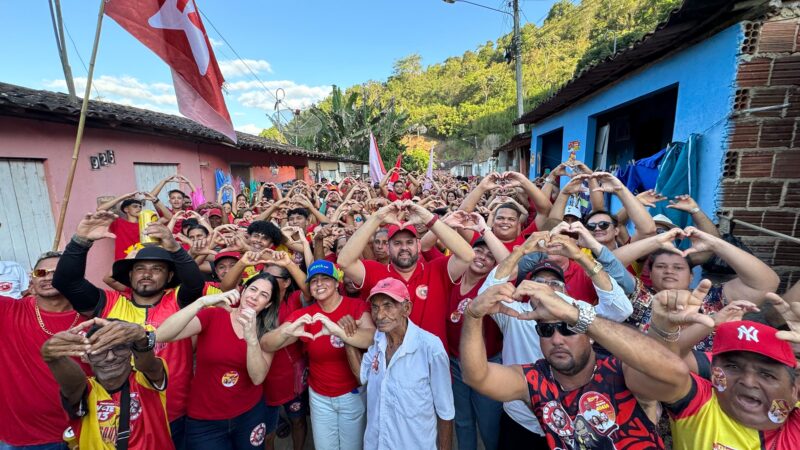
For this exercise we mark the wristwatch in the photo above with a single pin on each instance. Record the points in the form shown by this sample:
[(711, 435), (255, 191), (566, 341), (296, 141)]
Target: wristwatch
[(82, 241), (586, 315), (151, 343), (597, 268)]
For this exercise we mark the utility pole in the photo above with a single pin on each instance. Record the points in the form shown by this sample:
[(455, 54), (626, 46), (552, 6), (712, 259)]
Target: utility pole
[(61, 43), (517, 43)]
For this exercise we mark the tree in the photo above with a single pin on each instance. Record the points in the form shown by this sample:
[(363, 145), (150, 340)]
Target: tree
[(273, 134)]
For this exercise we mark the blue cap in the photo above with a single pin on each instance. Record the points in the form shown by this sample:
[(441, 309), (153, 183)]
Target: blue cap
[(324, 267)]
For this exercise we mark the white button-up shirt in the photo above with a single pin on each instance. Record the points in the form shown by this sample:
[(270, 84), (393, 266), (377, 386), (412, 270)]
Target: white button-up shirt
[(405, 398)]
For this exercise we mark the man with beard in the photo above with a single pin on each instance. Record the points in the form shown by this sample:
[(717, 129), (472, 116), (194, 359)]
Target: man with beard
[(572, 377), (30, 394), (153, 277), (117, 407), (426, 281)]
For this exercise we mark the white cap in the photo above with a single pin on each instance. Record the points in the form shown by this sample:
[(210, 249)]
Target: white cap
[(663, 220), (572, 210)]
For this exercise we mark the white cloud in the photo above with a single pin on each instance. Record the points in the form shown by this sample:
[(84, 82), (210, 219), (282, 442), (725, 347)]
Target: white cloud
[(238, 68), (125, 89), (297, 95), (249, 128)]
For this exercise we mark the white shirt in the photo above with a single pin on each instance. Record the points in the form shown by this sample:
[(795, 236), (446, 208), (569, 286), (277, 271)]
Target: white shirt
[(521, 343), (405, 398), (13, 279)]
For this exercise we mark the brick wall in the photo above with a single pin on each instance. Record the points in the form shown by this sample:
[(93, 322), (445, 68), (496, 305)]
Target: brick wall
[(761, 179)]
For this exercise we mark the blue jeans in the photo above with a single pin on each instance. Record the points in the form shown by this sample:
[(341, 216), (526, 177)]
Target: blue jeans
[(244, 432), (472, 407), (177, 429), (53, 446), (338, 423)]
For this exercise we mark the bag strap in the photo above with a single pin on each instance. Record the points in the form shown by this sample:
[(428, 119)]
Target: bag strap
[(124, 426)]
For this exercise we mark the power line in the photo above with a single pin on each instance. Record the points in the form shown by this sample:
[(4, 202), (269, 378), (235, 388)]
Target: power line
[(75, 47)]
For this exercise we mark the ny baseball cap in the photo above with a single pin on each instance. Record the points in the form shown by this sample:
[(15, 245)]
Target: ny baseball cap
[(323, 267), (661, 219), (547, 265), (392, 287), (754, 337), (394, 229)]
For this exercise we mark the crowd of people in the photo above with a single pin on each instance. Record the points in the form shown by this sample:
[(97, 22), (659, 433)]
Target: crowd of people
[(414, 313)]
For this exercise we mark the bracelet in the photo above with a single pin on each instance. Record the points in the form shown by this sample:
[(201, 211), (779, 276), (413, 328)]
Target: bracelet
[(156, 200), (666, 335), (83, 242), (694, 210), (433, 220), (468, 309)]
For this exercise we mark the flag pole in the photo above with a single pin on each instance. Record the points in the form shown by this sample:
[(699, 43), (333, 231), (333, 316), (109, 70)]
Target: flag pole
[(81, 124)]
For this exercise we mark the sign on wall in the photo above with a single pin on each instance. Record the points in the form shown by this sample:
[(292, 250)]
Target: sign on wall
[(102, 159)]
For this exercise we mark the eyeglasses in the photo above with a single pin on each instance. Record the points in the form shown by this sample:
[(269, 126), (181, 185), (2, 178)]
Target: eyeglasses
[(119, 350), (554, 284), (660, 230), (601, 225), (546, 330), (40, 273)]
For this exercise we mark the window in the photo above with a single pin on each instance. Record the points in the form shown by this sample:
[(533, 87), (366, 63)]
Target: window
[(551, 145)]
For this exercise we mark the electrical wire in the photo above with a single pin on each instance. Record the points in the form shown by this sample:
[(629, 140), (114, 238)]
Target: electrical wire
[(80, 58)]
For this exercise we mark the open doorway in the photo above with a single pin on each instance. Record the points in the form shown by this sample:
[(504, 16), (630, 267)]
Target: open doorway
[(635, 130), (552, 147)]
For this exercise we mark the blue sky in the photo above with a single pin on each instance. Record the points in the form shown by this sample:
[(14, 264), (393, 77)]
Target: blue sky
[(302, 46)]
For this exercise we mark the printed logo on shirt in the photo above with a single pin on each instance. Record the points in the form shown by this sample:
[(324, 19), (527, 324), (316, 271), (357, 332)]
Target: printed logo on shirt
[(557, 419), (295, 407), (230, 378), (136, 406), (106, 409), (376, 363), (456, 315), (336, 342), (6, 286), (258, 434), (597, 410), (422, 291)]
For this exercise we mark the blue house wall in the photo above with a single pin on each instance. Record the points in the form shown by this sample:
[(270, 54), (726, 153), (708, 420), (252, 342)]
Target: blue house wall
[(705, 75)]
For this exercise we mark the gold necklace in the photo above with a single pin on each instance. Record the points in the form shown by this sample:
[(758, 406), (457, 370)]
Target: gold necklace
[(41, 322)]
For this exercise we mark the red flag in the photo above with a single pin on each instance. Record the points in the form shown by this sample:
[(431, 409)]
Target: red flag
[(396, 176), (172, 29)]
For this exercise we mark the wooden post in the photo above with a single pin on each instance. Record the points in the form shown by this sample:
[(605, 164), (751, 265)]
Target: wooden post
[(79, 137)]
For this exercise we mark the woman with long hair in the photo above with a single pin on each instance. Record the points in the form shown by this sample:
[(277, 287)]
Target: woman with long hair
[(338, 412), (226, 408)]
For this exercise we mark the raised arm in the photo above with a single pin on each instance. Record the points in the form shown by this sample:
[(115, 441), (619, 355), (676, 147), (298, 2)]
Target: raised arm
[(258, 361), (349, 257), (287, 333), (488, 183), (184, 323), (112, 203), (627, 254), (540, 201), (701, 221), (645, 227), (58, 352), (192, 282)]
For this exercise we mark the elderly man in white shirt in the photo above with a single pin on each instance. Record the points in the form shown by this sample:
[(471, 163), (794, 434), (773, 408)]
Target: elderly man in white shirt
[(13, 280), (520, 340), (407, 374)]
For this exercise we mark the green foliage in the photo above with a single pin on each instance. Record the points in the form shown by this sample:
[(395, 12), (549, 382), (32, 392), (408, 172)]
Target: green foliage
[(416, 159), (274, 134), (474, 95)]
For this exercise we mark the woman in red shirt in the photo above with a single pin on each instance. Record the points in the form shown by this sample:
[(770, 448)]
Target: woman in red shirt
[(225, 403), (338, 413)]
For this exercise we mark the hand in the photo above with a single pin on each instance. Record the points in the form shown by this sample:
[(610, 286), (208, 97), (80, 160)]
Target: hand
[(586, 238), (94, 226), (297, 328), (66, 344), (734, 312), (791, 314), (575, 185), (417, 214), (683, 203), (490, 182), (159, 231), (229, 298), (582, 168), (608, 182), (329, 327), (547, 305), (113, 334), (247, 319), (649, 198), (536, 242), (280, 259), (564, 246), (666, 241), (674, 308), (389, 214), (349, 325), (491, 301), (559, 171), (701, 241)]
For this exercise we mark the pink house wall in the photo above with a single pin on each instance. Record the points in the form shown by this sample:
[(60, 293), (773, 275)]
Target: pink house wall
[(53, 143)]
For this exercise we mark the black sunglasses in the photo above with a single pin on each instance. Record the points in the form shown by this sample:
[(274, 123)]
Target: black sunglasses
[(546, 330), (601, 225)]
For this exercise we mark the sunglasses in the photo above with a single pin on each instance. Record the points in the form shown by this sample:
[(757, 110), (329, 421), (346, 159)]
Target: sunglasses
[(39, 273), (554, 284), (546, 330), (601, 225)]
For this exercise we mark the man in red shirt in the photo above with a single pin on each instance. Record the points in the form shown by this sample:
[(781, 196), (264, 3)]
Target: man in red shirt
[(400, 192), (117, 407), (428, 282), (126, 227), (29, 394)]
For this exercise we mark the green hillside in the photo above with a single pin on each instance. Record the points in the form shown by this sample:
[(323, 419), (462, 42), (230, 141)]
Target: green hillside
[(466, 98)]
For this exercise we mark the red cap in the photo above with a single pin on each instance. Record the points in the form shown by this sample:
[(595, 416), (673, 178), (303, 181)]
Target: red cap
[(214, 212), (392, 287), (754, 337), (394, 229), (234, 255)]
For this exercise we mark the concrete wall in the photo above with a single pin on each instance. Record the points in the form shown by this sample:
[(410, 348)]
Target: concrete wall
[(52, 143), (705, 74)]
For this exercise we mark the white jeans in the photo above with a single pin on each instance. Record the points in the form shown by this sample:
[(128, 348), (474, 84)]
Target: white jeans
[(338, 423)]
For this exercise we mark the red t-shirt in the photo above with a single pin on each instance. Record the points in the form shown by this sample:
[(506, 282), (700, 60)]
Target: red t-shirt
[(579, 285), (428, 286), (127, 237), (511, 245), (221, 387), (493, 337), (406, 195), (31, 413), (328, 370), (279, 387), (178, 355)]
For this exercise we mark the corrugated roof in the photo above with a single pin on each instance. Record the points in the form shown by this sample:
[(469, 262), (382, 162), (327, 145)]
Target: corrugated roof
[(20, 101), (685, 26), (518, 140)]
